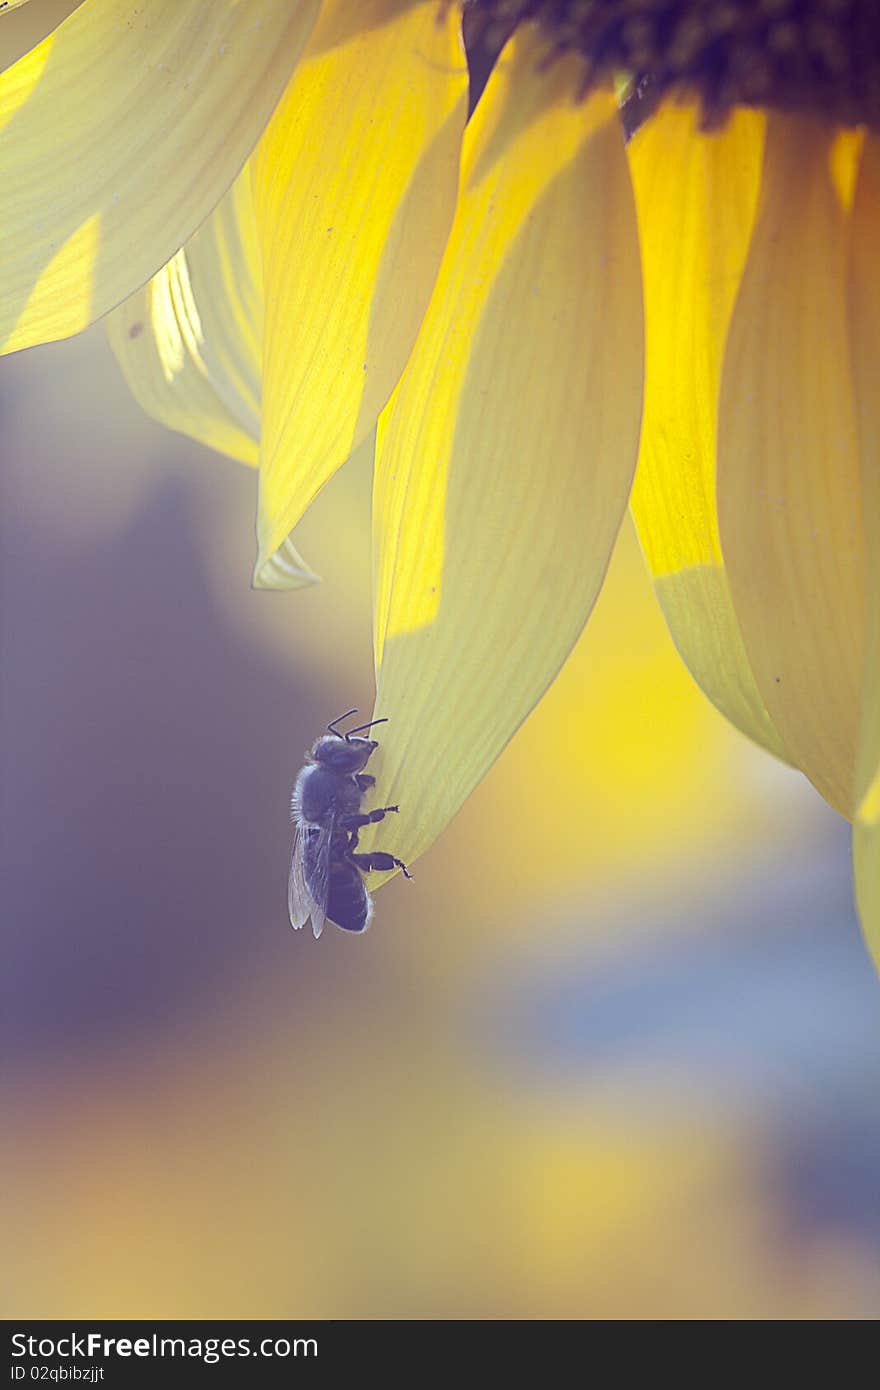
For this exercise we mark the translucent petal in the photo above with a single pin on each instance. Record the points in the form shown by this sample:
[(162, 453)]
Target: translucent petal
[(505, 457), (118, 135), (865, 338), (190, 342), (354, 187), (789, 487), (696, 196), (190, 345)]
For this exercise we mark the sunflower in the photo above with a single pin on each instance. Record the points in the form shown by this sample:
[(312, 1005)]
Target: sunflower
[(547, 300)]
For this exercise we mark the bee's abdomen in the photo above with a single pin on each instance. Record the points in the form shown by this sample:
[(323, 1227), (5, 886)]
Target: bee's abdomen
[(348, 903)]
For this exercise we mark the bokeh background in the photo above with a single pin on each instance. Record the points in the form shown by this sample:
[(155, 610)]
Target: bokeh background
[(615, 1052)]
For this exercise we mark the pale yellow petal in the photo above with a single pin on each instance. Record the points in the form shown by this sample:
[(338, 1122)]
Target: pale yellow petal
[(190, 345), (505, 457), (696, 196), (190, 342), (118, 135), (354, 187), (865, 337), (789, 487)]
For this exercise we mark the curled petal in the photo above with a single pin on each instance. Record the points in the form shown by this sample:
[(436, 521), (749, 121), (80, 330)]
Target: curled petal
[(354, 189), (190, 345), (505, 457), (190, 342), (118, 135)]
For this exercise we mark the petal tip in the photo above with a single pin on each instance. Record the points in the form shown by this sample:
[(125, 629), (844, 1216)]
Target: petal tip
[(283, 569)]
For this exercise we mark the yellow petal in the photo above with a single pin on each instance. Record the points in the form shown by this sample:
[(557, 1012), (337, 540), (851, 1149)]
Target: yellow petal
[(865, 338), (118, 135), (789, 490), (190, 342), (505, 457), (696, 196), (354, 188), (190, 345)]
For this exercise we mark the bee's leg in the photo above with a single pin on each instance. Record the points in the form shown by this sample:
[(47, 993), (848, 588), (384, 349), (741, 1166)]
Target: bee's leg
[(377, 859), (364, 781), (353, 822)]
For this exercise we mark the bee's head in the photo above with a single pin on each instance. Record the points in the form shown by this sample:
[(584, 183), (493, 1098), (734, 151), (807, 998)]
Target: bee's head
[(343, 754)]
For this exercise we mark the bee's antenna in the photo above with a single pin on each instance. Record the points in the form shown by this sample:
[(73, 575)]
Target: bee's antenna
[(331, 729), (360, 728)]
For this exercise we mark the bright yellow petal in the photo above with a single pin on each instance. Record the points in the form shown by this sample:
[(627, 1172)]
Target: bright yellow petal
[(696, 196), (789, 490), (865, 336), (354, 189), (190, 343), (505, 457), (118, 135)]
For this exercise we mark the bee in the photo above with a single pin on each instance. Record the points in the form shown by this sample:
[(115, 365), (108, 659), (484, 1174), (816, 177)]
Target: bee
[(326, 872)]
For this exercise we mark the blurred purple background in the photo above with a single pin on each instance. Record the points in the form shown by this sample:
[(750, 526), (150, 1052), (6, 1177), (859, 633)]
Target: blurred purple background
[(614, 1053)]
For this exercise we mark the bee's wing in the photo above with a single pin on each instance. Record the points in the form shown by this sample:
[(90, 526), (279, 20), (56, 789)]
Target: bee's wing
[(309, 876), (299, 904)]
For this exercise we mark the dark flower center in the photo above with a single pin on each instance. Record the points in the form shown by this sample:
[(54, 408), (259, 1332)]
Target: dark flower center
[(821, 56)]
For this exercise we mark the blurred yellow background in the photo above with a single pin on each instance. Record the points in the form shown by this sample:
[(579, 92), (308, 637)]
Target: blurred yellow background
[(614, 1053)]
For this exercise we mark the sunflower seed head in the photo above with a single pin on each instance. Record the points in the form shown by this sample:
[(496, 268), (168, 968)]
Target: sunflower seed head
[(821, 56)]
